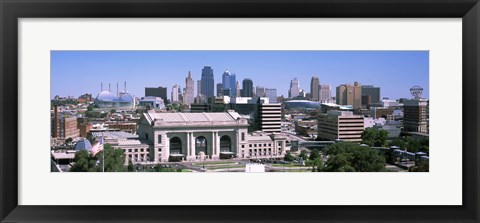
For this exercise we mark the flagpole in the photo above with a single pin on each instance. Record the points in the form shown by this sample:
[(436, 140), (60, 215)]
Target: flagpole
[(103, 157)]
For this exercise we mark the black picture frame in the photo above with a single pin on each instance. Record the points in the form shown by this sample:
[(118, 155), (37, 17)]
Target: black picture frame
[(11, 11)]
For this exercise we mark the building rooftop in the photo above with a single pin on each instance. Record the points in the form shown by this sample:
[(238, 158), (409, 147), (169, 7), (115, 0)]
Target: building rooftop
[(114, 135), (193, 117), (68, 154), (83, 144)]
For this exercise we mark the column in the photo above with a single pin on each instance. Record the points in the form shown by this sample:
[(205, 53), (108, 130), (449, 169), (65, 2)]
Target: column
[(192, 140), (166, 150), (188, 146), (237, 146), (217, 141), (214, 145)]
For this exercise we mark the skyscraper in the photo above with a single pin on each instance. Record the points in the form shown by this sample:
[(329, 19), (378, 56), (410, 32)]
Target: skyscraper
[(271, 93), (156, 92), (199, 87), (269, 117), (415, 115), (239, 91), (226, 79), (189, 90), (348, 94), (260, 91), (233, 85), (294, 90), (175, 91), (325, 92), (208, 83), (247, 87), (314, 91), (373, 92), (229, 84), (219, 90)]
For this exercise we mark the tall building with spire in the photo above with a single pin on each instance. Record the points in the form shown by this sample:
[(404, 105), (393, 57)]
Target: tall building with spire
[(208, 82), (314, 91), (294, 90), (189, 90)]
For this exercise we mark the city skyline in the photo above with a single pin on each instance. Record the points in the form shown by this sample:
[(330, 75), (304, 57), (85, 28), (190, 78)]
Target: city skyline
[(393, 71)]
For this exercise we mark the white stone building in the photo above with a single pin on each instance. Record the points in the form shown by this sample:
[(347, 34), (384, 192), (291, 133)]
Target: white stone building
[(204, 136), (134, 149)]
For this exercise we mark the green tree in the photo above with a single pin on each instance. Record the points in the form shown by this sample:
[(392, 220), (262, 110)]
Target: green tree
[(424, 145), (365, 159), (368, 136), (399, 142), (314, 155), (130, 167), (381, 139), (113, 111), (316, 164), (304, 155), (289, 157), (84, 162), (347, 157), (339, 163), (90, 107), (114, 159), (422, 167), (374, 137)]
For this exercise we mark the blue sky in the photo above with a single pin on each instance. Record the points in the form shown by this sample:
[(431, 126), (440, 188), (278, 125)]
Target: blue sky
[(74, 73)]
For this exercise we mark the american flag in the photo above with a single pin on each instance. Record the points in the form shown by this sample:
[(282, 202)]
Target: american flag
[(97, 148)]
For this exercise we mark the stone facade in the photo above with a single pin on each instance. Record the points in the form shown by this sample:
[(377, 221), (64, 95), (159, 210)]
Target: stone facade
[(198, 136)]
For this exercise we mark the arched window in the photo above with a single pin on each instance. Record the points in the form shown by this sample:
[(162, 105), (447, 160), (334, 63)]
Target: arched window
[(225, 144), (175, 145), (200, 145)]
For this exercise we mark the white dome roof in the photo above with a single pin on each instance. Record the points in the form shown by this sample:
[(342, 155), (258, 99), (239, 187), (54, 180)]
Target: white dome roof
[(106, 96)]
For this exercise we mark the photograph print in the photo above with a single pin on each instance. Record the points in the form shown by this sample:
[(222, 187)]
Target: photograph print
[(239, 111)]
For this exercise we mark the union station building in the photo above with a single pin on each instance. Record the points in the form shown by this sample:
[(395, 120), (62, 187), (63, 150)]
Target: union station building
[(205, 136)]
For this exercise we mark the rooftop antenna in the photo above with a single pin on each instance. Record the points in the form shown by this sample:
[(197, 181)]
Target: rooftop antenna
[(101, 86), (109, 87), (117, 89), (125, 87)]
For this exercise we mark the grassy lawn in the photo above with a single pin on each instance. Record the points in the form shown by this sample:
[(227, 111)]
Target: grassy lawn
[(298, 170), (223, 167), (186, 170), (285, 165), (213, 163)]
